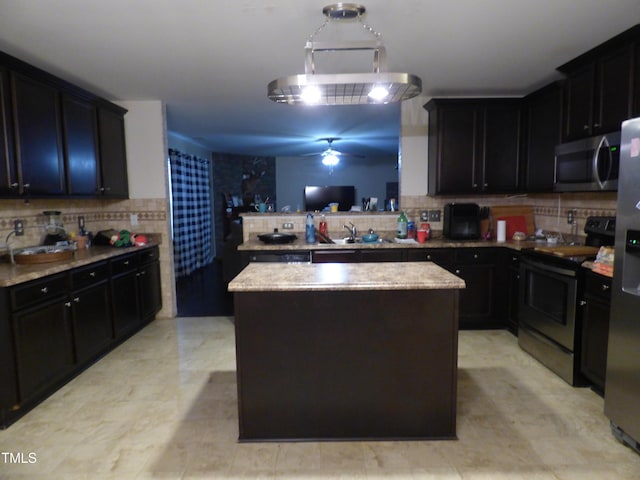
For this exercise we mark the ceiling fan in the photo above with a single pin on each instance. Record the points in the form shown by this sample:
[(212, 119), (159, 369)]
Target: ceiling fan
[(330, 156)]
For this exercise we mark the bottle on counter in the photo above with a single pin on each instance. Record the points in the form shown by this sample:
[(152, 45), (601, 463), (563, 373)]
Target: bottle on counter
[(411, 229), (310, 230), (401, 231), (322, 226)]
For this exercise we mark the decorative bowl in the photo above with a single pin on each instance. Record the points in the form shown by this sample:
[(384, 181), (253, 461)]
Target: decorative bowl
[(370, 237)]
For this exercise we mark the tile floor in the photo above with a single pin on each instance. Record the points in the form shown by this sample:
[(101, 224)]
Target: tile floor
[(163, 405)]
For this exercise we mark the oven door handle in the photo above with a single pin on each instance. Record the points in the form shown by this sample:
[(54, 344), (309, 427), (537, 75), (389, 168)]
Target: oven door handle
[(544, 267)]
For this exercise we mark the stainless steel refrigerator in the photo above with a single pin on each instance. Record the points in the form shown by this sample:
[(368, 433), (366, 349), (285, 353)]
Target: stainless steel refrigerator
[(622, 389)]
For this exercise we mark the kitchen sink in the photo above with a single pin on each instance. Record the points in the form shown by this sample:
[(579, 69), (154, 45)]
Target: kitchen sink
[(348, 241)]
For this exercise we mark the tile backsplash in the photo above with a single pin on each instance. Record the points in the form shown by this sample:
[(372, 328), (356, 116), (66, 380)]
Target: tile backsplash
[(550, 210), (152, 217)]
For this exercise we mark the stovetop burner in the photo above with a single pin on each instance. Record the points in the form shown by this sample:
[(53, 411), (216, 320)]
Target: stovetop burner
[(600, 231)]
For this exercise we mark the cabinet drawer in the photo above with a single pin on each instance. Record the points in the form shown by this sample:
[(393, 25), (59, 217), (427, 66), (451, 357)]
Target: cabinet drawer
[(474, 255), (83, 277), (598, 286), (124, 264), (38, 291), (149, 256), (440, 256)]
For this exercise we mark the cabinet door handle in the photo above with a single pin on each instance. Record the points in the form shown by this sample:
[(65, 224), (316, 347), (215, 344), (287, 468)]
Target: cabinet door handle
[(457, 272), (585, 127), (126, 263), (76, 299), (596, 125), (26, 185), (486, 185), (429, 257), (44, 289), (475, 185), (92, 274), (14, 185), (67, 304), (475, 255), (583, 303), (605, 287)]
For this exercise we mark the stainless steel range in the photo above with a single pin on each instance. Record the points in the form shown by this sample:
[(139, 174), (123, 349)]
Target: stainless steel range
[(551, 282)]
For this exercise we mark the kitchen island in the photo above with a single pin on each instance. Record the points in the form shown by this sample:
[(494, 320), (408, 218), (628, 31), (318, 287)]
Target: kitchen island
[(346, 351)]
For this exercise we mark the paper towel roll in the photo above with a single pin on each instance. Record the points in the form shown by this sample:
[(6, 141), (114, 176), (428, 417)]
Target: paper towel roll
[(502, 231)]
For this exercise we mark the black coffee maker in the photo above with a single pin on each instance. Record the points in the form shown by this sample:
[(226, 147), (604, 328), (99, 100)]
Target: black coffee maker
[(53, 227)]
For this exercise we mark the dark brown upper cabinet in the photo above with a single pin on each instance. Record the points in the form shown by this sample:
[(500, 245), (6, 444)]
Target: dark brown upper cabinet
[(599, 87), (635, 110), (36, 115), (113, 155), (474, 145), (56, 139), (96, 161), (8, 169), (543, 132), (80, 127)]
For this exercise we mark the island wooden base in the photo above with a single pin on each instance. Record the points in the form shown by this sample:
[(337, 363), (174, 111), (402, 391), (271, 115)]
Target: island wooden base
[(346, 364)]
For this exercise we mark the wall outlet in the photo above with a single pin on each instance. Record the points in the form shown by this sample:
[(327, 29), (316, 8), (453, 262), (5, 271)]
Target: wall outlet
[(287, 226), (18, 227), (134, 219), (434, 215)]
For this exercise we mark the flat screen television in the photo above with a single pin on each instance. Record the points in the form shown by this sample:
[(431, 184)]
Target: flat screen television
[(317, 197)]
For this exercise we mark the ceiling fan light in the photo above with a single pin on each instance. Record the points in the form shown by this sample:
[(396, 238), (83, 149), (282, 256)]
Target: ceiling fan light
[(330, 160), (379, 93), (311, 95)]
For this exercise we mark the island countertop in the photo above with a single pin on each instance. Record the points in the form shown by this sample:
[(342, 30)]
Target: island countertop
[(262, 277)]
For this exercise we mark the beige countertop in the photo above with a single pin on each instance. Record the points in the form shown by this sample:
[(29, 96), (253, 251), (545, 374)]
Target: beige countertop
[(15, 274), (265, 277), (438, 242)]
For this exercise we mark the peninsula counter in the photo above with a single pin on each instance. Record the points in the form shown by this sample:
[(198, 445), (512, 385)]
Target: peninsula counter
[(346, 351)]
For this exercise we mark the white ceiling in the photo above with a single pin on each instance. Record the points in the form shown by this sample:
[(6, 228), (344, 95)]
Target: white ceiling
[(210, 61)]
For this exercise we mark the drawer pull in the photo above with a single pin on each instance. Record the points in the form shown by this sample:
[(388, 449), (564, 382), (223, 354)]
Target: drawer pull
[(457, 272), (605, 287), (126, 262), (44, 289), (475, 255), (428, 257), (92, 274)]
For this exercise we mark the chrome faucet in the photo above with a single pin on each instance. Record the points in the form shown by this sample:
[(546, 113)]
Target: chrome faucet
[(352, 230)]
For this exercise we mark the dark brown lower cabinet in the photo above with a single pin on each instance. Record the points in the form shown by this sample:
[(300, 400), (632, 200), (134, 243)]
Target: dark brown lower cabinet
[(596, 304), (126, 307), (92, 326), (480, 269), (53, 327), (149, 288), (44, 346)]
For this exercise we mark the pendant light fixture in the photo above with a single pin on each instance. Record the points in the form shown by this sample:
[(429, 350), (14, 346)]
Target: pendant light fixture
[(378, 86)]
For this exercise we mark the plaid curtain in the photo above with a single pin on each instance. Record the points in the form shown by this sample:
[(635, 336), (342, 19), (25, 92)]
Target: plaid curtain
[(191, 212)]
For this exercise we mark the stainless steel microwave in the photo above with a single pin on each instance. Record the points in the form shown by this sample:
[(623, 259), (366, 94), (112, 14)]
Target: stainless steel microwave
[(588, 165)]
